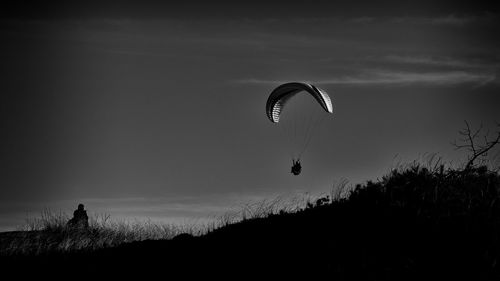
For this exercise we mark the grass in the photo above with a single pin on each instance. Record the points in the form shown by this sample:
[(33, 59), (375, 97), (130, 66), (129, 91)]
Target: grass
[(48, 234), (421, 220)]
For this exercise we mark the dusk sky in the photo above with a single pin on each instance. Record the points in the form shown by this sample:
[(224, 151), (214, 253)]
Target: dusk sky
[(158, 111)]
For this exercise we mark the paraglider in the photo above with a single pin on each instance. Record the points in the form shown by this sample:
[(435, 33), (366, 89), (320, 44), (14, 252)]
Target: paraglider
[(296, 167), (300, 137)]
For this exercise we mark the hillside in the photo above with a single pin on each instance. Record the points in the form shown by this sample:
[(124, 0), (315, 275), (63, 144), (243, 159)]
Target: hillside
[(415, 223)]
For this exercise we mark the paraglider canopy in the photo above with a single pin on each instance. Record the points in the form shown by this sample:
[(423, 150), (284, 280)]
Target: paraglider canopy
[(299, 132), (282, 94)]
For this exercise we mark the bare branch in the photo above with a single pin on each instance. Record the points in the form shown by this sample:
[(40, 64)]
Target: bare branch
[(478, 130), (477, 150), (471, 138)]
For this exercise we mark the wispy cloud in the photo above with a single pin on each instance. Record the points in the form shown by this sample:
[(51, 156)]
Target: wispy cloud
[(449, 20), (436, 78), (362, 20), (441, 61), (384, 77)]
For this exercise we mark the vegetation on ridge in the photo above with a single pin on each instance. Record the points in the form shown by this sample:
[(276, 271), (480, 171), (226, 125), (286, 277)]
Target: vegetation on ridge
[(417, 221)]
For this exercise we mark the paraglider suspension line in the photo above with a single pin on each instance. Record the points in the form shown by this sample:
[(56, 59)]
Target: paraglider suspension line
[(311, 129)]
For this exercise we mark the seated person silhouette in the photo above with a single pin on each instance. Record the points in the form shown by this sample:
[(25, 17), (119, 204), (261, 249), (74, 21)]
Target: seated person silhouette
[(296, 167), (80, 218)]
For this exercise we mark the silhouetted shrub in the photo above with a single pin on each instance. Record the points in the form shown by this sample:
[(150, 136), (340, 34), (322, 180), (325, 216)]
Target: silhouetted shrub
[(417, 222)]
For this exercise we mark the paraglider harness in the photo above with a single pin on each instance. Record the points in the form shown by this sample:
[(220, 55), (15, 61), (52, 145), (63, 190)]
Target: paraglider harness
[(296, 167)]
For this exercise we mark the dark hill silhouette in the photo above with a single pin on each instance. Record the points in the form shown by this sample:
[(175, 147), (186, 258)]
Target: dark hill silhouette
[(413, 224)]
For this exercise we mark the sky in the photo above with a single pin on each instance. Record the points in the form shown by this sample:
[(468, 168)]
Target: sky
[(157, 110)]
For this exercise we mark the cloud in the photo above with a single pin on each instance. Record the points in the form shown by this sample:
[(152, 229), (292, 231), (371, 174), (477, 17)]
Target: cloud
[(362, 20), (439, 61), (384, 77), (449, 20), (436, 78)]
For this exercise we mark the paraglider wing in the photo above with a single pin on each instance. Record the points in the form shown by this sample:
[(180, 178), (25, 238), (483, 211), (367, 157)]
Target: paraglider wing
[(279, 97)]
